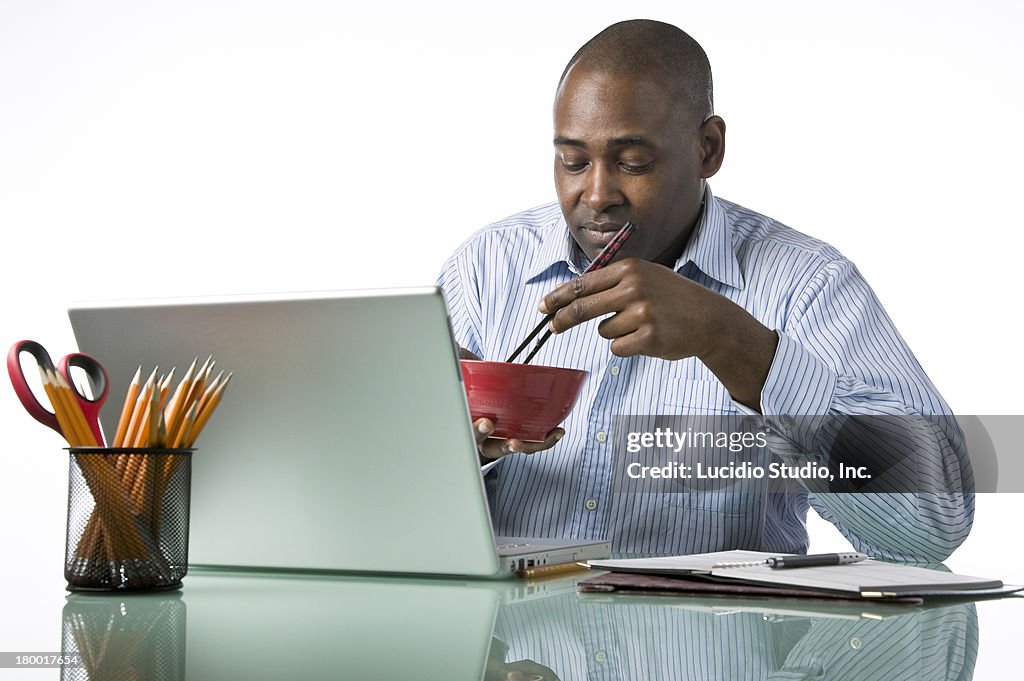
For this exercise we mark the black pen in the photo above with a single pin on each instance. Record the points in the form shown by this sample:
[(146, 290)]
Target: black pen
[(817, 560), (784, 562)]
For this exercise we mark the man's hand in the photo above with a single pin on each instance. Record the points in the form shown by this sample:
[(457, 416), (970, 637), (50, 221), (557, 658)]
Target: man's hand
[(659, 313), (492, 448)]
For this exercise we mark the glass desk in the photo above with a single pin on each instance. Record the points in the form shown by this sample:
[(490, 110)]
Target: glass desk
[(231, 625)]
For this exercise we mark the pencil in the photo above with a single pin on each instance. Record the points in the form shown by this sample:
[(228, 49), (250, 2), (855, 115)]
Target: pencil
[(548, 570), (161, 429), (179, 441), (84, 433), (196, 389), (135, 429), (186, 427), (207, 411), (127, 408), (138, 411), (175, 410), (66, 428), (153, 424), (165, 385), (210, 389)]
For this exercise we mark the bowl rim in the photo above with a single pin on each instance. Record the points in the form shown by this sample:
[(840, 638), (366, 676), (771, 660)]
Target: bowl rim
[(534, 366)]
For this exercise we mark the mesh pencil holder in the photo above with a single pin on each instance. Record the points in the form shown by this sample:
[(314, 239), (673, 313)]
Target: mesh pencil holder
[(128, 514)]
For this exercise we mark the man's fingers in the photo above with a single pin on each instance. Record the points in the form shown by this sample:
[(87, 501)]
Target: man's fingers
[(619, 324), (495, 448), (482, 429), (550, 441), (635, 343), (589, 307), (586, 285)]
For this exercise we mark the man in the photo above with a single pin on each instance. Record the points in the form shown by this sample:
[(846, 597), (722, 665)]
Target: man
[(709, 308)]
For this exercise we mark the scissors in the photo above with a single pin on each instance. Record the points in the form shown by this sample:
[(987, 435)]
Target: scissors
[(93, 370)]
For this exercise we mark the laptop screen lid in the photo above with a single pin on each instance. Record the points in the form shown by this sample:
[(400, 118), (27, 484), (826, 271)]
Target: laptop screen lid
[(343, 441)]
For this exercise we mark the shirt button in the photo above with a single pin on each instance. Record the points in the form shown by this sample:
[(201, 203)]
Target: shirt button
[(602, 436), (591, 504), (600, 656), (615, 370)]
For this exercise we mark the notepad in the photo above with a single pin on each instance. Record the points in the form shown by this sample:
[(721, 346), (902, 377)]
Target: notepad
[(866, 579)]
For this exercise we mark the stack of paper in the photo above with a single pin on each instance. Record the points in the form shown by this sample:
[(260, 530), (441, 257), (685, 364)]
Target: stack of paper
[(866, 579)]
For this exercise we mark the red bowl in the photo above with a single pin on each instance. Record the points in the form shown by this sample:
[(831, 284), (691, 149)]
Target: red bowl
[(525, 401)]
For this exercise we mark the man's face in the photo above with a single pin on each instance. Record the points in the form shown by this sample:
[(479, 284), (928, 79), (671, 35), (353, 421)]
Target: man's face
[(624, 150)]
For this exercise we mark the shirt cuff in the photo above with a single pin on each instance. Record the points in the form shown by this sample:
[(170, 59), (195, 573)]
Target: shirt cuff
[(798, 391), (798, 383)]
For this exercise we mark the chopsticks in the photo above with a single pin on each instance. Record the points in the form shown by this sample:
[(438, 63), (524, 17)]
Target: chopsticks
[(602, 259)]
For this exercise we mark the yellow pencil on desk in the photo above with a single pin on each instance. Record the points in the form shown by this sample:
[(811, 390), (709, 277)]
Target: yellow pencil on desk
[(549, 570)]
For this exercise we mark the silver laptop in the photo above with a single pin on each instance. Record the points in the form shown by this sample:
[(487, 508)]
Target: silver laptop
[(343, 441)]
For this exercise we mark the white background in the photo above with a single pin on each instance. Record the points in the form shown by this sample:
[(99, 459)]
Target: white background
[(211, 146)]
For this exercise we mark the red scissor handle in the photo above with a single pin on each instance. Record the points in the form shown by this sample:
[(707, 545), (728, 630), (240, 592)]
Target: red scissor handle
[(93, 370), (100, 385), (21, 388)]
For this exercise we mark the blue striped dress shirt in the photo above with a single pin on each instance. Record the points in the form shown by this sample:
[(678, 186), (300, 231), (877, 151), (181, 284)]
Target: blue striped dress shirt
[(838, 353)]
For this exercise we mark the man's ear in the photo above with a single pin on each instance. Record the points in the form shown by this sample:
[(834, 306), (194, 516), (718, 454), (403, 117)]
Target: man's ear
[(712, 144)]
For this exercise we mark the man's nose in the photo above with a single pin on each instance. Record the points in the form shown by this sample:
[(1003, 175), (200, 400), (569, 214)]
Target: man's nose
[(602, 190)]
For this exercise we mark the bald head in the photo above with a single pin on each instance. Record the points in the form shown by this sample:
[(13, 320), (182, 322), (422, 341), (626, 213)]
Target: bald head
[(655, 50)]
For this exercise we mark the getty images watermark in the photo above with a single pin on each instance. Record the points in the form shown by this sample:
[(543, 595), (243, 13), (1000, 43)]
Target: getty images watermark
[(679, 454)]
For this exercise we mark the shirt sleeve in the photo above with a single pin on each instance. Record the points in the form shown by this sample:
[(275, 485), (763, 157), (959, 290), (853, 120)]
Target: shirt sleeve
[(458, 282), (840, 356)]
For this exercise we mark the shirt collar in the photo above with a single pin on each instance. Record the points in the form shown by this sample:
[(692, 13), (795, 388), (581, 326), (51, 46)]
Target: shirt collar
[(710, 248), (557, 247)]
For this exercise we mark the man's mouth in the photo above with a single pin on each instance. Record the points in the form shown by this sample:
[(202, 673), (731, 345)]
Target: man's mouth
[(600, 233)]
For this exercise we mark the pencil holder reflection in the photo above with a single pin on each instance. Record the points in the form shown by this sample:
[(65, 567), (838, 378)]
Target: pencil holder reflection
[(138, 637), (128, 515)]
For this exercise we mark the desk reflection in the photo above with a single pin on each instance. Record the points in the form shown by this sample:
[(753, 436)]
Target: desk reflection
[(141, 637), (246, 626), (597, 637)]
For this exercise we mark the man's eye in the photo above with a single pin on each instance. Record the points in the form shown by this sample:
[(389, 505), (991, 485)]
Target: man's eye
[(574, 165), (636, 167)]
